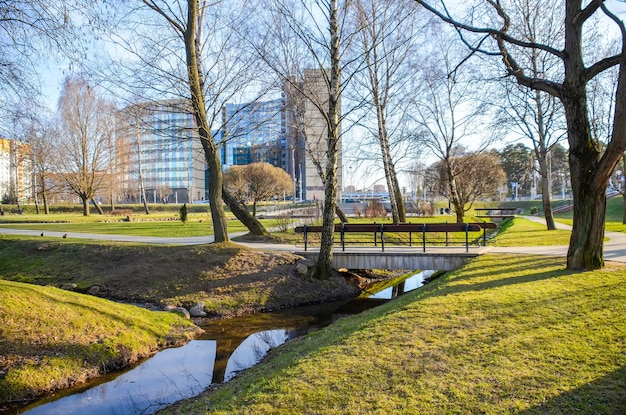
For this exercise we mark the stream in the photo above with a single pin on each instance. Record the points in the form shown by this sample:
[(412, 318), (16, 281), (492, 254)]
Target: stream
[(227, 347)]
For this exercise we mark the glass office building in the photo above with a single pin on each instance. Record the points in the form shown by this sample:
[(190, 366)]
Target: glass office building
[(157, 152)]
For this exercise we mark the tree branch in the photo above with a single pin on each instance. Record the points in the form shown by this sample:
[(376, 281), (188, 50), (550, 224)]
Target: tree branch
[(602, 65), (496, 34)]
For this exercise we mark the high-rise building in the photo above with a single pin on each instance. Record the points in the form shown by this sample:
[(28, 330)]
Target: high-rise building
[(305, 99), (16, 171), (157, 152), (252, 132), (158, 147)]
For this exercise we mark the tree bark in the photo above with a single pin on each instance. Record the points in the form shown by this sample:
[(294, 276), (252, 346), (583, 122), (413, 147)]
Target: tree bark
[(323, 268), (545, 190), (586, 243), (459, 205), (241, 212), (97, 206), (85, 201), (341, 214), (211, 153)]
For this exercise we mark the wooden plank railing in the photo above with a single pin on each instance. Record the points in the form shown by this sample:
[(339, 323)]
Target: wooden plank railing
[(379, 230)]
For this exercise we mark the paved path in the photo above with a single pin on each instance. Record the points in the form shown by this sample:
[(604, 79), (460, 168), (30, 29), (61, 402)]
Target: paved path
[(614, 248)]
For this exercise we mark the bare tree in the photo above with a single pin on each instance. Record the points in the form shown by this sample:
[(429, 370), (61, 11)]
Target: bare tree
[(387, 43), (41, 140), (448, 113), (31, 31), (322, 36), (591, 165), (533, 114), (83, 154), (195, 56), (478, 176)]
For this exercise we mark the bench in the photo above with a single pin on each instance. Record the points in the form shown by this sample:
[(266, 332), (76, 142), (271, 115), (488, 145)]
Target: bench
[(410, 228), (496, 213)]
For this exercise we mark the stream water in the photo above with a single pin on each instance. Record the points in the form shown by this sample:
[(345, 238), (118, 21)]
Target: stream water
[(226, 347)]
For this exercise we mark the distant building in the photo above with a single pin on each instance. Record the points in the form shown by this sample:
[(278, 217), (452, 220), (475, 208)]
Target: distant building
[(307, 131), (158, 144), (252, 132), (16, 171), (157, 150)]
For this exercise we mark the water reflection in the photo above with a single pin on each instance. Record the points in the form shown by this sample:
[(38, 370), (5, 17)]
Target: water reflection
[(169, 376), (413, 282), (252, 350), (226, 348)]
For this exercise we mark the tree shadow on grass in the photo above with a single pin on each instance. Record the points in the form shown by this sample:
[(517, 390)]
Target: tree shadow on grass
[(475, 279), (606, 396)]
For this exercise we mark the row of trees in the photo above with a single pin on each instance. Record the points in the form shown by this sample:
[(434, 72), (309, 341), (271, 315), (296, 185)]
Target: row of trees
[(388, 70)]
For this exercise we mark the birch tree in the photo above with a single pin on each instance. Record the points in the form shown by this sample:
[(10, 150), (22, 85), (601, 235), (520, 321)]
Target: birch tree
[(318, 67), (387, 43), (448, 113)]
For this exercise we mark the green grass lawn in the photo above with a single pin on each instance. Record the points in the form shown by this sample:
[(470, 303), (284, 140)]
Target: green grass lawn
[(51, 338), (504, 334), (523, 232)]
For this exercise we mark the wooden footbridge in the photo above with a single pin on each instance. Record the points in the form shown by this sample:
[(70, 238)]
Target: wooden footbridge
[(439, 246)]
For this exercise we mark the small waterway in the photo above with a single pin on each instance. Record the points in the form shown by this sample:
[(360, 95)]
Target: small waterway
[(227, 347)]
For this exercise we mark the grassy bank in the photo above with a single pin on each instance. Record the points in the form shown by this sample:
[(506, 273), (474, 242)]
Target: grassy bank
[(230, 279), (504, 334), (52, 339)]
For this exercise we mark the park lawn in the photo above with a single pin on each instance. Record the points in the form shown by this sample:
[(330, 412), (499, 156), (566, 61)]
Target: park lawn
[(175, 228), (523, 232), (53, 339), (503, 334)]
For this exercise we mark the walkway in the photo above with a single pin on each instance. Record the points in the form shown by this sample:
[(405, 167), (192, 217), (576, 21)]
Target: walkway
[(614, 248)]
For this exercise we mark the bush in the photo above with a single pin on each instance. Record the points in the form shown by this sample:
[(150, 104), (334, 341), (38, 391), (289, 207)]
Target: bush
[(183, 213)]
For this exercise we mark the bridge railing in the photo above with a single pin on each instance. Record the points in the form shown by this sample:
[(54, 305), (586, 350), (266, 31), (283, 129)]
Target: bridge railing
[(381, 233)]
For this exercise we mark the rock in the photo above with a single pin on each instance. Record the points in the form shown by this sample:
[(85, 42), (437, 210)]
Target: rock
[(303, 266), (70, 286), (94, 290), (197, 310), (179, 310)]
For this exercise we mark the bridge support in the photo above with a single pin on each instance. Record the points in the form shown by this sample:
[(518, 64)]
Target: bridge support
[(395, 260)]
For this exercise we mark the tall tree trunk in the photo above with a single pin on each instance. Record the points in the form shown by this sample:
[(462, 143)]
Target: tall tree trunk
[(218, 216), (586, 243), (323, 268), (341, 214), (44, 199), (459, 206), (589, 172), (85, 201), (241, 212), (401, 206), (98, 207), (545, 192)]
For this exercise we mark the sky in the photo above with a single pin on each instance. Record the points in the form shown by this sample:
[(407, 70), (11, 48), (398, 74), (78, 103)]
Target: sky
[(52, 73)]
